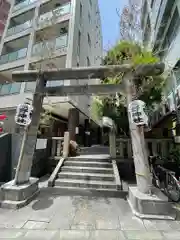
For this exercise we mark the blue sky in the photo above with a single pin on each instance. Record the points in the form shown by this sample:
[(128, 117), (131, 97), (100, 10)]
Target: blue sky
[(110, 20)]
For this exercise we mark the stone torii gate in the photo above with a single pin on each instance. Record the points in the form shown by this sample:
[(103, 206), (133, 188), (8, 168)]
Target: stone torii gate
[(137, 133)]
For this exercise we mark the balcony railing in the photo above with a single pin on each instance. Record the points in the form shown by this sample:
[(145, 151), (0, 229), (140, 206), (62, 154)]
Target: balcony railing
[(43, 47), (23, 4), (13, 56), (46, 18), (19, 28)]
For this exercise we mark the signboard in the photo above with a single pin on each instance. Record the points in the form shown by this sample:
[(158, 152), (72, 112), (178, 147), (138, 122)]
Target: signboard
[(23, 114), (136, 110), (41, 143)]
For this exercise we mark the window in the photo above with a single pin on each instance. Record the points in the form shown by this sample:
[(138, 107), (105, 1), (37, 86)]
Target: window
[(10, 88), (88, 62), (5, 89), (165, 18), (89, 40), (55, 83), (15, 88), (30, 87), (80, 13), (176, 70), (172, 30)]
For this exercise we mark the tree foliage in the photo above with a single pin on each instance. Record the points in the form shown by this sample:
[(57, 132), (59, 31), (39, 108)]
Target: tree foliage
[(148, 88)]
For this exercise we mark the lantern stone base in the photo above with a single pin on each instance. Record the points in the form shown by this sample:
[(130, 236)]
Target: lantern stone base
[(150, 207), (17, 196)]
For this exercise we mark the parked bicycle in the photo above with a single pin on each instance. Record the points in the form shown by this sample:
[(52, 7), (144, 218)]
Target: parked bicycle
[(166, 176)]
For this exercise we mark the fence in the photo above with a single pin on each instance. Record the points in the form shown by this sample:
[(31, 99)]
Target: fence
[(154, 146)]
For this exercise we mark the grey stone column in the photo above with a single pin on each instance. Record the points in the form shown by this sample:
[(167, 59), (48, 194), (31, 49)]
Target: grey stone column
[(24, 170), (112, 143), (73, 122), (87, 133)]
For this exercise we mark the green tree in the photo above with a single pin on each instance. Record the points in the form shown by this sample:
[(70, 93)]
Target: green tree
[(149, 89)]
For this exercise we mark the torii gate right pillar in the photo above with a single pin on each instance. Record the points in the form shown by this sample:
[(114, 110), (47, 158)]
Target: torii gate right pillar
[(73, 122)]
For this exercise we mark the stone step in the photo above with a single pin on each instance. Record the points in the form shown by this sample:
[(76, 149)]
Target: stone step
[(86, 176), (87, 164), (87, 169), (75, 191), (89, 159), (85, 184)]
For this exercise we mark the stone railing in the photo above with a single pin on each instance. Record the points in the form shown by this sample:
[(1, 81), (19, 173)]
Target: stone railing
[(56, 149), (155, 147)]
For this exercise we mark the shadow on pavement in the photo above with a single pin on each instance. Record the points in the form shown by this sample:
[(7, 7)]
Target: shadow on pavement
[(42, 203)]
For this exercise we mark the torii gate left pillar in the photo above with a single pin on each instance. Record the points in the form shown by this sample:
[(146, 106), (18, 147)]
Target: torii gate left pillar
[(19, 193)]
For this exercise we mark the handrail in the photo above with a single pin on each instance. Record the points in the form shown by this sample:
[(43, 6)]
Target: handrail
[(55, 172), (117, 176)]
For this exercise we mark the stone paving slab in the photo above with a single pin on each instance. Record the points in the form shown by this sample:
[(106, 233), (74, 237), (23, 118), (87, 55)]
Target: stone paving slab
[(144, 235), (90, 235), (40, 235), (160, 225), (65, 217), (87, 235), (172, 235), (131, 223), (11, 234)]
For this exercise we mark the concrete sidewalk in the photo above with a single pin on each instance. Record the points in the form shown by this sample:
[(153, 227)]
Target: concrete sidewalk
[(64, 217)]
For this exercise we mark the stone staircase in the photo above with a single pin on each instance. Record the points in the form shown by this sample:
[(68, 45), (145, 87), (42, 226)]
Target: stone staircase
[(89, 175)]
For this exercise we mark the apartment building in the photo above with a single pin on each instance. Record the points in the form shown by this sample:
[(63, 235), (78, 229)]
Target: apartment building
[(42, 34), (130, 21), (4, 9), (160, 22)]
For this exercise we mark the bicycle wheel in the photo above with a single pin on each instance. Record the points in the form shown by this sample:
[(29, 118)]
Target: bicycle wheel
[(172, 188)]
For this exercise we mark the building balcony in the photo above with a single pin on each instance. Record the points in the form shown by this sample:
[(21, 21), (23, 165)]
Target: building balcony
[(60, 13), (13, 56), (19, 28), (14, 53), (50, 54), (22, 4), (20, 25), (52, 45)]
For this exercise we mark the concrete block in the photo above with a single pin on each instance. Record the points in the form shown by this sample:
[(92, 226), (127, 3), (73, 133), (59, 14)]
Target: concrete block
[(154, 206), (16, 196)]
